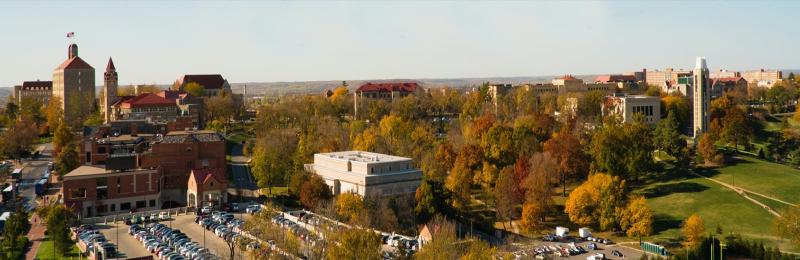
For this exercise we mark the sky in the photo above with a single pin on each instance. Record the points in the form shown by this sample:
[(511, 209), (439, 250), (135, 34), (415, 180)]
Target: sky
[(261, 41)]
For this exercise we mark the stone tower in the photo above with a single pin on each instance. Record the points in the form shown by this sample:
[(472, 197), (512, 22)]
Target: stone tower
[(73, 83), (110, 81), (702, 92)]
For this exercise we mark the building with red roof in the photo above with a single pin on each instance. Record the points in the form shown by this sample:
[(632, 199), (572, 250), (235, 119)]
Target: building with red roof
[(212, 83), (389, 90), (207, 187), (73, 83), (721, 85), (162, 107), (616, 78)]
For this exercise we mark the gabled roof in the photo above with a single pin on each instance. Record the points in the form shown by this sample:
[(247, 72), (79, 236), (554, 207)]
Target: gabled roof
[(205, 175), (145, 100), (74, 63), (728, 80), (388, 87), (567, 77), (172, 94), (37, 85), (208, 81)]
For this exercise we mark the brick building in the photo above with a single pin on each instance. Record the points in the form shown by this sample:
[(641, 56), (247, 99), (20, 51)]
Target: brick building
[(212, 83), (99, 190), (38, 90), (165, 106), (207, 187)]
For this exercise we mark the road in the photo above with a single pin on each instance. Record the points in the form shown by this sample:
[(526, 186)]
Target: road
[(240, 173), (33, 171)]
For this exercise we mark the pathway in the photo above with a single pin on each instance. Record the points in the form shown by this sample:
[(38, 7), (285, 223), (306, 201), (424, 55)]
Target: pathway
[(743, 193), (35, 235)]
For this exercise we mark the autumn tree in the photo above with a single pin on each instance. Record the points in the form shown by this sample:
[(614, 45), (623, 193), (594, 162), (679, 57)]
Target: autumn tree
[(707, 150), (31, 108), (443, 237), (61, 137), (624, 150), (195, 89), (355, 243), (458, 183), (53, 113), (693, 231), (350, 207), (678, 105), (567, 150), (786, 226), (67, 160), (637, 218), (314, 190), (18, 139), (596, 201), (506, 196), (11, 110), (432, 199), (539, 188), (220, 107), (736, 127)]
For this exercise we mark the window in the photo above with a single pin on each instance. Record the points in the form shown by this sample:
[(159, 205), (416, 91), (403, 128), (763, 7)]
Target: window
[(102, 209), (152, 203), (101, 150), (113, 207), (78, 193), (125, 206), (141, 204), (88, 157)]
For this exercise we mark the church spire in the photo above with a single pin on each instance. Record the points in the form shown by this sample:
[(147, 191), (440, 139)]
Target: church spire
[(110, 66)]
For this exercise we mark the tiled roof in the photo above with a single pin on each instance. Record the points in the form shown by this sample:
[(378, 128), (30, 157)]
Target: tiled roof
[(74, 63), (110, 65), (172, 94), (388, 87), (567, 77), (728, 80), (37, 85), (203, 175), (208, 81), (147, 100)]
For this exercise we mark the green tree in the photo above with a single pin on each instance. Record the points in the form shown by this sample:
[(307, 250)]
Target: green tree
[(67, 160), (14, 235), (786, 225), (736, 127), (31, 108), (431, 200), (668, 138), (195, 89), (62, 136), (58, 219), (18, 139), (12, 110)]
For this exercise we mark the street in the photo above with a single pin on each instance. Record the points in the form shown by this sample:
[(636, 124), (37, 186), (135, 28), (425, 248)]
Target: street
[(33, 171)]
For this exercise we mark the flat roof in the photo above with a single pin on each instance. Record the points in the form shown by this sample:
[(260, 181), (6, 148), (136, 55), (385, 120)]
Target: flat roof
[(188, 132), (365, 157), (88, 170)]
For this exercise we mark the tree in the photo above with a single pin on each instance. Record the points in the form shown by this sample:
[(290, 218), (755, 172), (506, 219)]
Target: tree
[(14, 235), (458, 183), (596, 201), (567, 149), (479, 250), (18, 139), (195, 89), (706, 149), (532, 216), (53, 113), (432, 200), (505, 195), (693, 231), (441, 246), (314, 190), (786, 225), (12, 110), (67, 160), (637, 218), (221, 107), (350, 207), (61, 137), (539, 186), (355, 243), (31, 108), (676, 103), (58, 219), (624, 150), (736, 127), (668, 138)]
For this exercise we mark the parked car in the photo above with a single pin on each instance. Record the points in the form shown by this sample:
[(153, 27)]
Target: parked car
[(164, 215), (616, 253)]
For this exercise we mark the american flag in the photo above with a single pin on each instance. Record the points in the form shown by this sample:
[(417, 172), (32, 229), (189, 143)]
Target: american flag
[(70, 34)]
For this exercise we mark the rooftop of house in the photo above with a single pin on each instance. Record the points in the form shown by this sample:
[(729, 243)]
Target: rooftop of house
[(89, 170), (74, 63), (208, 81), (364, 157), (37, 85), (176, 137), (388, 87), (203, 175)]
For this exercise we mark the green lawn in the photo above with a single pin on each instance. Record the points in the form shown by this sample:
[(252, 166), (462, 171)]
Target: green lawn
[(675, 196), (772, 179), (45, 252)]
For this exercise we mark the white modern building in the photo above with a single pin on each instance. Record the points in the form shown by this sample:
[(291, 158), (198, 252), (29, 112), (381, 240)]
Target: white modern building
[(701, 96), (366, 173), (626, 106)]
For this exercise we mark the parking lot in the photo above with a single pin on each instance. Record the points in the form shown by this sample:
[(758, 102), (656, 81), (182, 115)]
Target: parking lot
[(606, 250), (127, 246)]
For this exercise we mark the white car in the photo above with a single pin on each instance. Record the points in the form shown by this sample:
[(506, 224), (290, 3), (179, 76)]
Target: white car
[(206, 210), (164, 215)]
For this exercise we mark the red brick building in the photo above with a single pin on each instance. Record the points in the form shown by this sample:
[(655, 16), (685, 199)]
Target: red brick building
[(97, 191), (207, 187), (388, 90)]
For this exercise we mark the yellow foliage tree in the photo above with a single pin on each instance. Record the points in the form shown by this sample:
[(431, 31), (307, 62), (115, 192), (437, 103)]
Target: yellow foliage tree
[(531, 216), (596, 201), (458, 183), (366, 141), (350, 207), (693, 229), (637, 218)]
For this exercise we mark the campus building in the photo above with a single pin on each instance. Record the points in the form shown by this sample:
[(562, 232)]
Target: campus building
[(627, 106), (721, 85), (762, 77), (162, 107), (116, 187), (73, 83), (212, 83), (40, 91), (365, 173), (667, 79), (701, 96), (207, 187)]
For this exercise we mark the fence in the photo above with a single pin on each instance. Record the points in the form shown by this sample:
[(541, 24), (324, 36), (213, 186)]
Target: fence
[(120, 217)]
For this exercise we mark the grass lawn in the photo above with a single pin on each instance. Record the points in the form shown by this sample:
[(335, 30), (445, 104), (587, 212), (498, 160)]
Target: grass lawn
[(675, 196), (772, 179), (46, 252)]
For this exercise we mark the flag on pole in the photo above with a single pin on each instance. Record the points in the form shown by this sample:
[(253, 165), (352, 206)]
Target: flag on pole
[(70, 34)]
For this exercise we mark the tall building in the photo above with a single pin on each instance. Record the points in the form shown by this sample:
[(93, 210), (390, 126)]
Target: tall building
[(73, 83), (110, 81), (762, 77), (38, 90), (701, 95)]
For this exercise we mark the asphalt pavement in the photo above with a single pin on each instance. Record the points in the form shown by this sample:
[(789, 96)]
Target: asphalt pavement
[(33, 171)]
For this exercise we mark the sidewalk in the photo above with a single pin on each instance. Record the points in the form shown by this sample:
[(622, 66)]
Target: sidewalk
[(35, 235)]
